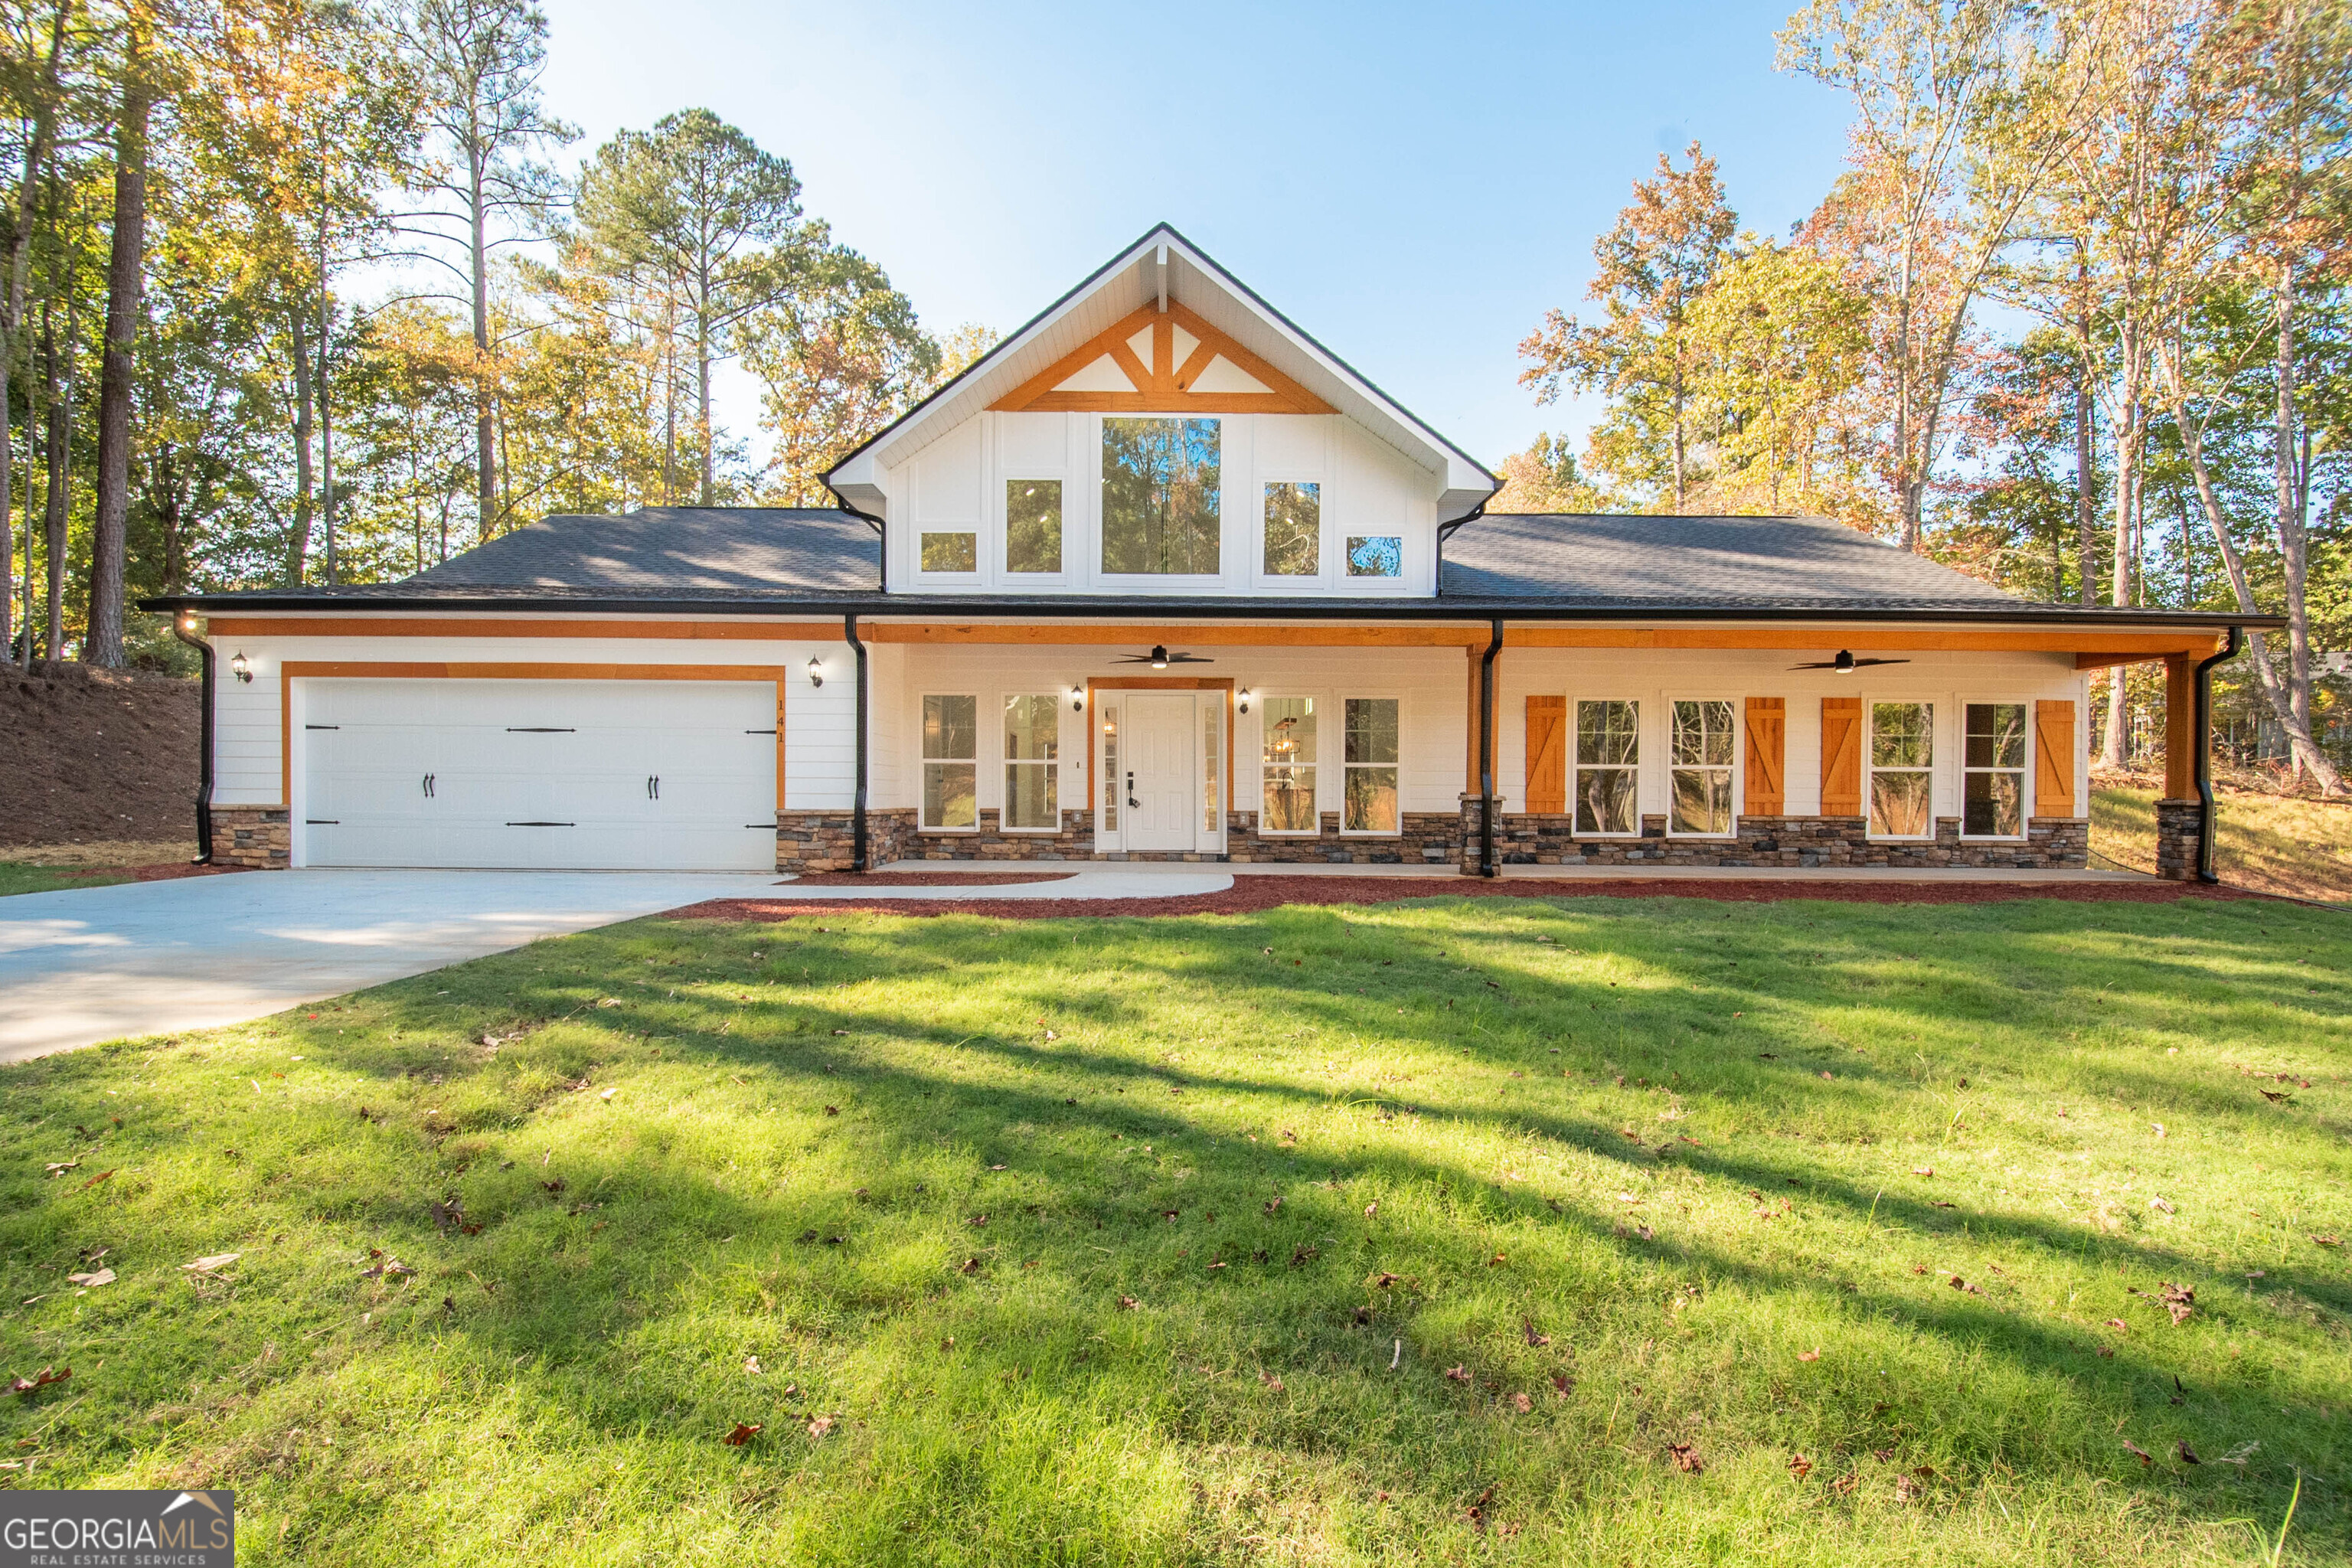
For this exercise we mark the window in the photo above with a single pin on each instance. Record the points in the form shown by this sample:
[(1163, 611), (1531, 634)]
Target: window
[(1293, 530), (1992, 803), (1372, 765), (1032, 735), (1288, 750), (950, 553), (1110, 789), (1698, 759), (1032, 525), (1608, 764), (1159, 496), (1902, 753), (950, 762), (1212, 770), (1381, 555)]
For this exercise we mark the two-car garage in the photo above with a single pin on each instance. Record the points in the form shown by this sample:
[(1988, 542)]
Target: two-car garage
[(672, 774)]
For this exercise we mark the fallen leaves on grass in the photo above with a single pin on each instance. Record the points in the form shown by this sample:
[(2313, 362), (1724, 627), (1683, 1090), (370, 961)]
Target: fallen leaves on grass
[(1527, 1328), (1905, 1488), (1923, 1170), (1809, 1355), (212, 1265), (1457, 1374), (971, 1265), (1522, 1404), (92, 1280), (2136, 1451), (390, 1268), (744, 1432), (1799, 1467), (820, 1426), (1272, 1383), (1126, 1303), (751, 1364), (2188, 1455), (95, 1180), (1686, 1457), (59, 1167), (2179, 1300), (22, 1387)]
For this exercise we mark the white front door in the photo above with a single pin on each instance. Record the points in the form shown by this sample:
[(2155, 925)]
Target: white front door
[(1163, 781), (572, 774)]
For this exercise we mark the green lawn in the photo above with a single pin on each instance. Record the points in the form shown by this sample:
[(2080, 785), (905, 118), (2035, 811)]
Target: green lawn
[(17, 877), (1412, 1233)]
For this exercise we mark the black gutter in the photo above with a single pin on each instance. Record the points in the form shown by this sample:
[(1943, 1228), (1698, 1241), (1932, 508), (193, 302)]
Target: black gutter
[(881, 533), (1486, 867), (1246, 611), (204, 749), (2204, 709), (857, 801)]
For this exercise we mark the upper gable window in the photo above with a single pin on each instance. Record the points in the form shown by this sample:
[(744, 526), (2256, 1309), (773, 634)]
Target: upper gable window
[(1159, 496), (1032, 525), (1293, 530), (1375, 555)]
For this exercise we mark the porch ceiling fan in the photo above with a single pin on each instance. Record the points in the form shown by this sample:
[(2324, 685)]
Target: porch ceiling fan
[(1845, 663), (1160, 659)]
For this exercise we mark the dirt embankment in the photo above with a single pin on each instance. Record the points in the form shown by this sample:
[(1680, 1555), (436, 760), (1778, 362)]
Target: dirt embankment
[(89, 759)]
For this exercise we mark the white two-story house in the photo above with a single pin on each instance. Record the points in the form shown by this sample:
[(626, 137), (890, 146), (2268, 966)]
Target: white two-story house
[(1162, 577)]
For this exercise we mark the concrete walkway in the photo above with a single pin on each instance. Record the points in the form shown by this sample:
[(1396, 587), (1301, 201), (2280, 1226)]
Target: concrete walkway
[(87, 964), (1147, 878)]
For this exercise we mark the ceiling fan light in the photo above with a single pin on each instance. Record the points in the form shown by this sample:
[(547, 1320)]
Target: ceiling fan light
[(1158, 657), (1845, 661)]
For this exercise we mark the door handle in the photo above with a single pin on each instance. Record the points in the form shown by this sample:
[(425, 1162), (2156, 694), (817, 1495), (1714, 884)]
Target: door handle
[(425, 783), (1132, 803)]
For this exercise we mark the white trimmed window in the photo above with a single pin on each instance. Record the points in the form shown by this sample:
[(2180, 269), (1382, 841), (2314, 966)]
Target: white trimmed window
[(950, 763), (1160, 485), (1699, 749), (1293, 544), (1032, 743), (1992, 765), (1287, 749), (1033, 526), (955, 551), (1375, 555), (1607, 770), (1369, 803), (1902, 770)]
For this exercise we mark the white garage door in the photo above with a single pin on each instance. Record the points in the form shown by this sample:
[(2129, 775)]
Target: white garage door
[(571, 774)]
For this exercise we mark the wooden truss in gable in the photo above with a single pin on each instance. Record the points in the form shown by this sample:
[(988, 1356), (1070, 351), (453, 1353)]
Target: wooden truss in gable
[(1161, 362)]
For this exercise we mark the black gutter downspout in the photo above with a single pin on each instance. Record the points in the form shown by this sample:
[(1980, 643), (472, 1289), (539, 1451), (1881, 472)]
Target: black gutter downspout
[(1487, 753), (857, 801), (2204, 706), (205, 753)]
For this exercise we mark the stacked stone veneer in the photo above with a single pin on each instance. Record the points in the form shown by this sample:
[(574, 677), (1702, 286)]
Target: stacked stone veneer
[(822, 841), (2179, 825), (1521, 839), (828, 840), (257, 838)]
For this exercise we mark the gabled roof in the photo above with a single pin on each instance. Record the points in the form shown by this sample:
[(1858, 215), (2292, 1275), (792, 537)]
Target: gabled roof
[(1163, 263), (1616, 560), (813, 559), (674, 549)]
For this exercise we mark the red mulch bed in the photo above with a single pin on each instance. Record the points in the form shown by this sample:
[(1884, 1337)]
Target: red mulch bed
[(926, 878), (1250, 894)]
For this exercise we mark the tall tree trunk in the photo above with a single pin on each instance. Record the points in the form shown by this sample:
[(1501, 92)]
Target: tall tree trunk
[(12, 323), (702, 406), (325, 381), (486, 494), (2289, 476), (169, 510), (60, 488), (102, 645), (2086, 501), (1681, 483), (298, 545), (2129, 430)]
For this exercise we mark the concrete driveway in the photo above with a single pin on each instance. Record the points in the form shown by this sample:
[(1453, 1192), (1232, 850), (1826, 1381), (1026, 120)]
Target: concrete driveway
[(141, 958)]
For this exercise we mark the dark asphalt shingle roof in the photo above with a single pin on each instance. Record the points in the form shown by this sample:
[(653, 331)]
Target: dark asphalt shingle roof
[(824, 559), (1618, 560), (674, 552)]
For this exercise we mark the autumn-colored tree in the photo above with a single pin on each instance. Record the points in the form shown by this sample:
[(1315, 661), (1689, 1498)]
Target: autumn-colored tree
[(1649, 271)]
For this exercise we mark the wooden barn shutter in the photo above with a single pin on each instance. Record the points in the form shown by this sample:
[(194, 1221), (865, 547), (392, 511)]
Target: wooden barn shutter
[(2053, 759), (1547, 755), (1841, 756), (1766, 751)]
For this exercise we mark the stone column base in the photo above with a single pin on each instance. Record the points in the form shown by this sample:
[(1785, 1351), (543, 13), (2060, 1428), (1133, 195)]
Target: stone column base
[(257, 838), (2178, 827)]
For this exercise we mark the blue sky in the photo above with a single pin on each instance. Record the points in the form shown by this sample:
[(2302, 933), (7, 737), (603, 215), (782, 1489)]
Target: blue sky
[(1415, 185)]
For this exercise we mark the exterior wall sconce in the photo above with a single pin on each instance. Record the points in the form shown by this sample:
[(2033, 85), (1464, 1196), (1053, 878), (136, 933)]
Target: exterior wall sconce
[(241, 666), (816, 672), (1243, 695), (1078, 699)]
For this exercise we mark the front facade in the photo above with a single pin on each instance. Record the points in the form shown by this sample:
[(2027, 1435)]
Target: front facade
[(1160, 578)]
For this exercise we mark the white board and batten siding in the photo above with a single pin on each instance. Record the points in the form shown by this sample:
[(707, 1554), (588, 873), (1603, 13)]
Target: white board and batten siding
[(1656, 677), (956, 483), (666, 718), (1428, 684)]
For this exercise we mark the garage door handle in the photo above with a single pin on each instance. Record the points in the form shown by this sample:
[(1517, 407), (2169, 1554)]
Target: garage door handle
[(427, 784), (652, 787)]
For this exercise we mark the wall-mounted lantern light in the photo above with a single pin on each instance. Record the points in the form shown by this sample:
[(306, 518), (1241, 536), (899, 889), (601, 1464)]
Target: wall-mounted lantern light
[(241, 665), (1078, 699), (1243, 695), (816, 672)]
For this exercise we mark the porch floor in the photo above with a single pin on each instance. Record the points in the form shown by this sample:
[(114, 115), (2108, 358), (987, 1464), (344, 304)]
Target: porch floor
[(1148, 873)]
